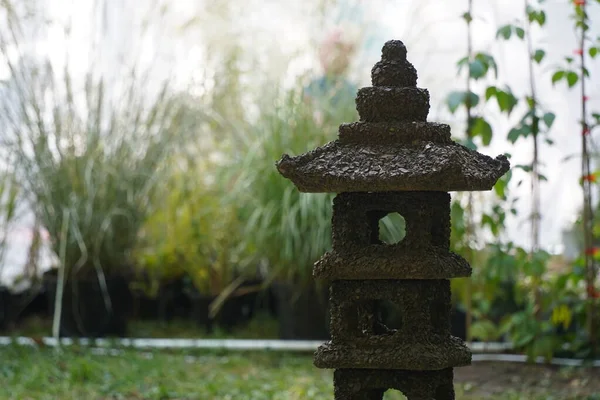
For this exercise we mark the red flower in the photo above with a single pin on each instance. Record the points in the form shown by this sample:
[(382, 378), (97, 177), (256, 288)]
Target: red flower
[(586, 131), (578, 52), (586, 98), (590, 178), (579, 2), (592, 251)]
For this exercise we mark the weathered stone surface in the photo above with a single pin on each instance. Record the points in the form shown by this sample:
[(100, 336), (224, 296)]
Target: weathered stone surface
[(387, 262), (423, 254), (394, 69), (419, 354), (389, 104), (426, 214), (424, 166), (360, 384), (382, 133), (355, 317)]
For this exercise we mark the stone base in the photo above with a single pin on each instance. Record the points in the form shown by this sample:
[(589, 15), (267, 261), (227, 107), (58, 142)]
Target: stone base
[(409, 355), (361, 384)]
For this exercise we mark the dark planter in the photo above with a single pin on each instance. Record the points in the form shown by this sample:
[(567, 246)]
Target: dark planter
[(236, 311), (5, 308), (84, 312), (144, 307), (170, 302), (302, 311), (200, 310), (29, 303)]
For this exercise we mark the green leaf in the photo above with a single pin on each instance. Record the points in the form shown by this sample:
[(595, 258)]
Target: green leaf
[(572, 78), (504, 31), (515, 133), (488, 62), (473, 99), (467, 17), (593, 52), (548, 119), (538, 56), (542, 18), (569, 60), (526, 168), (506, 101), (530, 102), (549, 141), (557, 76), (454, 100), (482, 129), (530, 11), (520, 32), (470, 144), (477, 69), (490, 92)]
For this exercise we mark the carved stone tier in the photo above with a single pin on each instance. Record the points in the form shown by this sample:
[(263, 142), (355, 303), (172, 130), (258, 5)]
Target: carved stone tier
[(388, 104), (361, 340), (360, 384), (394, 69), (423, 253), (406, 133)]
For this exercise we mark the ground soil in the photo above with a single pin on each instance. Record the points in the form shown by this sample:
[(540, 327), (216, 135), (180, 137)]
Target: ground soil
[(488, 378)]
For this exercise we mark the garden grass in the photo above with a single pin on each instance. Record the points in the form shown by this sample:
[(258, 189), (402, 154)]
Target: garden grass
[(79, 373)]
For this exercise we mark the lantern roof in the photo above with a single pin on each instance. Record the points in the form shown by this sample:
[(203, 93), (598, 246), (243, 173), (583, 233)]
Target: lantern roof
[(393, 147)]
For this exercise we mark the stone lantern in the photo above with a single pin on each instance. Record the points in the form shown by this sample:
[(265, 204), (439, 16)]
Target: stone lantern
[(391, 161)]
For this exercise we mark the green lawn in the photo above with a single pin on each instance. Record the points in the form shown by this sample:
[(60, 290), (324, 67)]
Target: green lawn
[(30, 373)]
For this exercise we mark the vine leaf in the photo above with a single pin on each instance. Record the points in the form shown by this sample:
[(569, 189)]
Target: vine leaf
[(515, 133), (537, 16), (483, 129), (477, 69), (456, 98), (572, 78), (505, 98), (490, 92), (520, 32), (548, 119), (504, 31), (538, 56), (557, 76)]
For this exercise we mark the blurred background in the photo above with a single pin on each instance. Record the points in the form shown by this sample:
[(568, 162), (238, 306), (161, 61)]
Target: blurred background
[(138, 140)]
